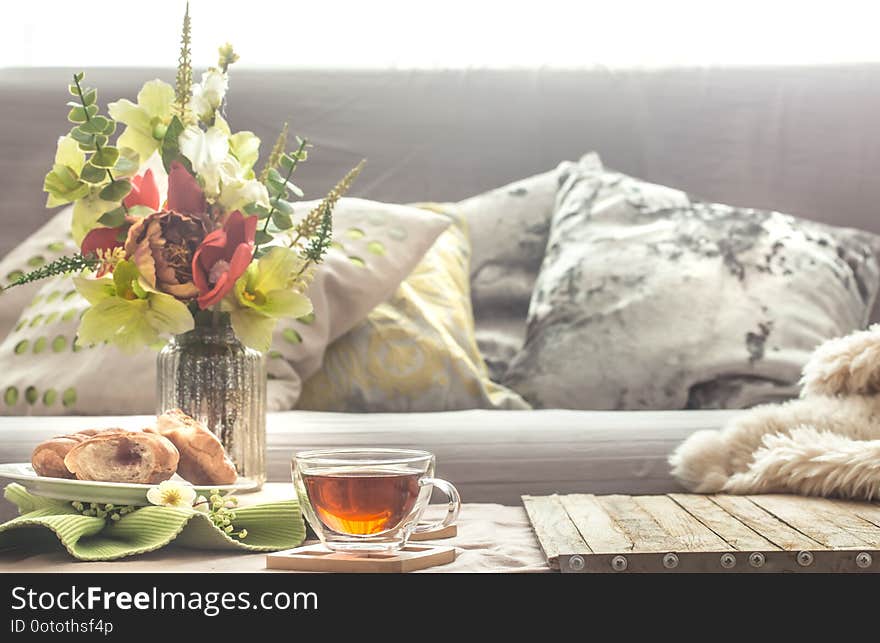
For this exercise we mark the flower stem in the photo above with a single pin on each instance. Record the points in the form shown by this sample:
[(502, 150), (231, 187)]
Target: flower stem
[(302, 146)]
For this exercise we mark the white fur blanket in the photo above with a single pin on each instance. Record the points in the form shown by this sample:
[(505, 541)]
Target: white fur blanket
[(827, 443)]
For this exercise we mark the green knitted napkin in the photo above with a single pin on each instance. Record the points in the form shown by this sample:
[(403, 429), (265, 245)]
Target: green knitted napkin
[(270, 527)]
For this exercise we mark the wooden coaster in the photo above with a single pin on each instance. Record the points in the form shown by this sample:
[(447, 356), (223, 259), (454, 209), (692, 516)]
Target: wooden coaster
[(317, 558), (450, 531)]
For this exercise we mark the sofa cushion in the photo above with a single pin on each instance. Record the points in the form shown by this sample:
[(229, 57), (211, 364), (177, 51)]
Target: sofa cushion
[(650, 299), (416, 351), (509, 227)]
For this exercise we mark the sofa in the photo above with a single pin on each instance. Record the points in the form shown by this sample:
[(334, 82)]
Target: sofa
[(798, 140)]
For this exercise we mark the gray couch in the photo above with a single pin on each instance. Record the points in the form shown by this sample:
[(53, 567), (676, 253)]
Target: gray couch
[(801, 140)]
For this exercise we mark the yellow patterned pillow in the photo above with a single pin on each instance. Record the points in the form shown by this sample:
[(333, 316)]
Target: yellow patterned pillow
[(417, 351)]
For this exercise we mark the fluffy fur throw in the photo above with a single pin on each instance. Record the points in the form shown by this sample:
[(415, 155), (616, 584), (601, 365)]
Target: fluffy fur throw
[(826, 443)]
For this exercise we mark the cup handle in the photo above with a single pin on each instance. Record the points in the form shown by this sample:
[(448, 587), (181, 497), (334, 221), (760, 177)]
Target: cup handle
[(453, 508)]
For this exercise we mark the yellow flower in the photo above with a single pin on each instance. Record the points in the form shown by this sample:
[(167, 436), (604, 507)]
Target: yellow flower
[(147, 121), (171, 493)]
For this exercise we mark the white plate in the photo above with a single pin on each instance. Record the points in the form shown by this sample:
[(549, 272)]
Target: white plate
[(118, 493)]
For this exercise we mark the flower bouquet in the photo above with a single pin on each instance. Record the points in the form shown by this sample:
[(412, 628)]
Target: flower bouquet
[(184, 241)]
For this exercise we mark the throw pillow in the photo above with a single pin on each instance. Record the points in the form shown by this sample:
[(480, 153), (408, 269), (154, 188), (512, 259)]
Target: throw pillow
[(416, 351), (509, 227), (649, 299), (45, 372)]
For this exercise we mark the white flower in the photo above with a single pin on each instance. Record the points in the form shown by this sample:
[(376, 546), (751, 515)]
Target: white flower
[(235, 193), (208, 95), (201, 504), (171, 493), (206, 151)]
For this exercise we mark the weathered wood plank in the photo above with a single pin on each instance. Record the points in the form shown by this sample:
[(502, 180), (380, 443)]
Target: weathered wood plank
[(596, 527), (678, 523), (804, 515), (765, 523), (865, 510), (728, 527), (641, 528), (555, 531)]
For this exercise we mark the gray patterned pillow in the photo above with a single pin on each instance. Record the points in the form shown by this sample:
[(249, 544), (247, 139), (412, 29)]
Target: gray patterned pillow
[(648, 299), (508, 228)]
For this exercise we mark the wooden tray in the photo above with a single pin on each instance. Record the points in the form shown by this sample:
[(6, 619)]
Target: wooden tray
[(694, 533), (317, 558), (450, 531)]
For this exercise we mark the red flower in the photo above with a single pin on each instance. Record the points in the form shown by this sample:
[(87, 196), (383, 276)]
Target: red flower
[(222, 258), (143, 192), (185, 195)]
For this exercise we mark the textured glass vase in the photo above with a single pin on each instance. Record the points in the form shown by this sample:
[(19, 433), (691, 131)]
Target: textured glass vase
[(211, 376)]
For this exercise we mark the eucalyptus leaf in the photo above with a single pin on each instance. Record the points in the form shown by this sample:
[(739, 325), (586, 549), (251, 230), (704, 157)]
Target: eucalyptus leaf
[(116, 190), (257, 209), (90, 96), (80, 135), (88, 147), (295, 189), (114, 218), (128, 162), (97, 125), (73, 90), (79, 76), (109, 128), (93, 174), (262, 237), (282, 221), (106, 157), (285, 207), (286, 162), (140, 211), (77, 115)]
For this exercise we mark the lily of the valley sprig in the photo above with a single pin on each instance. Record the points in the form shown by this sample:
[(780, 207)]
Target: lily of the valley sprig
[(173, 218)]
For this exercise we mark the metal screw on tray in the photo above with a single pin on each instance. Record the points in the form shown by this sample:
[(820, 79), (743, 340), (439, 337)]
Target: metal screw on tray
[(576, 563), (618, 563), (864, 560), (670, 561), (728, 561), (805, 558), (757, 560)]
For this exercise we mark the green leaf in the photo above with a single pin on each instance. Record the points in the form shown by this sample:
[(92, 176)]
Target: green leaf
[(114, 218), (262, 237), (79, 135), (170, 149), (79, 76), (77, 115), (257, 209), (95, 126), (285, 207), (93, 174), (90, 96), (128, 162), (106, 157), (282, 221), (109, 128), (73, 90), (286, 162), (88, 147), (115, 191)]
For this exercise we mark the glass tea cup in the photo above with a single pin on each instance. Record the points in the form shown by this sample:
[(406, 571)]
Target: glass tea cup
[(360, 500)]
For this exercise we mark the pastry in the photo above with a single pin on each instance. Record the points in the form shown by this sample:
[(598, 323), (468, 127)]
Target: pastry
[(123, 456), (47, 458), (202, 458)]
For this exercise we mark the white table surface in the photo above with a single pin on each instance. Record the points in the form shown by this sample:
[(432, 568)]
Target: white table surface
[(491, 538)]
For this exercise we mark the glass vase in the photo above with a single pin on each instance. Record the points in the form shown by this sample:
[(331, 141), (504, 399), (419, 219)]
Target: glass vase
[(211, 376)]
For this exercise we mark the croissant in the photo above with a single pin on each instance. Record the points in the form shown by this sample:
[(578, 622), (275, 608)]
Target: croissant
[(123, 456), (202, 458)]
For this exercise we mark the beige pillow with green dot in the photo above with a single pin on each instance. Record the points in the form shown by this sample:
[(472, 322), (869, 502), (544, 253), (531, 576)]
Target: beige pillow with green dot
[(45, 372)]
